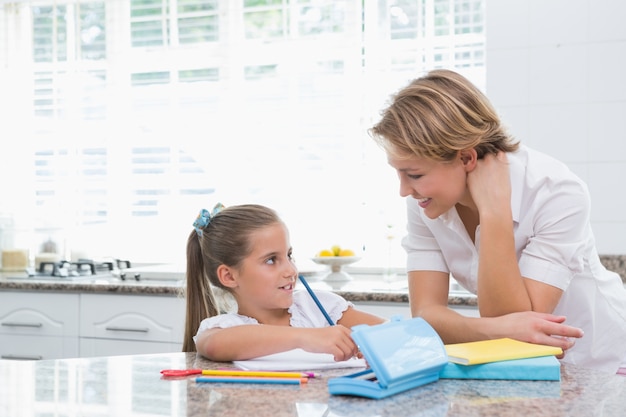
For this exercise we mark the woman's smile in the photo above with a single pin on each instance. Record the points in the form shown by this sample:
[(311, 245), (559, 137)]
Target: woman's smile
[(423, 202)]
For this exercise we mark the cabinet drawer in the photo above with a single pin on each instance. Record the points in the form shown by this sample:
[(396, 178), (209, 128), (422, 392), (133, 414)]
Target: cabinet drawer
[(41, 314), (102, 347), (18, 347), (132, 317)]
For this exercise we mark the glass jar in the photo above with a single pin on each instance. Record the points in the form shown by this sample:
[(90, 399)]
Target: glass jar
[(15, 244)]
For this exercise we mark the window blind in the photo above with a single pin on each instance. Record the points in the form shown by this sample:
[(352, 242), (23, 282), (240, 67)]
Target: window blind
[(134, 114)]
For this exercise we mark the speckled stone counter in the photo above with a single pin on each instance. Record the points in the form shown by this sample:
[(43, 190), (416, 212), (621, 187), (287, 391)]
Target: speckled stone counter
[(133, 386), (364, 288), (96, 286)]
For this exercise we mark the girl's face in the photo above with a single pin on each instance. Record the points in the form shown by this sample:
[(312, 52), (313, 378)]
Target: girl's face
[(267, 277), (437, 186)]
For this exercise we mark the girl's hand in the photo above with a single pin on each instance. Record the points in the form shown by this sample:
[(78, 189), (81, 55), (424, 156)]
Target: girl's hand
[(489, 183), (335, 340), (539, 328)]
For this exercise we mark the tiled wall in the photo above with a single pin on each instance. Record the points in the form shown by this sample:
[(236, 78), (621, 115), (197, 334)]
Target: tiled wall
[(556, 72)]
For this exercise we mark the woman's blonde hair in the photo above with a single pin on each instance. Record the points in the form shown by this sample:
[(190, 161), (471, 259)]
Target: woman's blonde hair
[(224, 240), (438, 115)]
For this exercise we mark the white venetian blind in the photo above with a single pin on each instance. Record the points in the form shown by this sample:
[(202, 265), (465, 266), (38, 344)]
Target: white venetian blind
[(131, 115)]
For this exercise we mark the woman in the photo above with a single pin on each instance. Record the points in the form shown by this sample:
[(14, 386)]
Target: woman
[(508, 223)]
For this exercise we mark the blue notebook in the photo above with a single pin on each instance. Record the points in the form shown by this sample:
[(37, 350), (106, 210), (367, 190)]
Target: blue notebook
[(543, 368), (402, 354)]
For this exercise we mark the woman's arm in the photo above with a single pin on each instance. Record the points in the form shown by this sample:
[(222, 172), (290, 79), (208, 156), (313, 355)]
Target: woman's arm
[(428, 292), (501, 288), (251, 341), (428, 296)]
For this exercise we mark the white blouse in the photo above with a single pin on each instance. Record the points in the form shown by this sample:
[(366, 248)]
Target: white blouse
[(554, 244), (304, 312)]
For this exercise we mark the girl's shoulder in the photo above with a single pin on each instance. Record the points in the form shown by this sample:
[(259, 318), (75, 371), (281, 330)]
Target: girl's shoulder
[(227, 320)]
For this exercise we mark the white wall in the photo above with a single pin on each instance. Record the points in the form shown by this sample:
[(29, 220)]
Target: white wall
[(556, 72)]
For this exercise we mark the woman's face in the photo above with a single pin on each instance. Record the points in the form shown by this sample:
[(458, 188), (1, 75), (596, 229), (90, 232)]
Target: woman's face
[(267, 277), (438, 186)]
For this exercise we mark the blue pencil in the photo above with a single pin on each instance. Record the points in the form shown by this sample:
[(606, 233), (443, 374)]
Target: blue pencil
[(248, 380), (317, 301)]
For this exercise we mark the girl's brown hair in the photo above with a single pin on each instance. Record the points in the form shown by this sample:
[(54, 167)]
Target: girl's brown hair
[(225, 240), (438, 115)]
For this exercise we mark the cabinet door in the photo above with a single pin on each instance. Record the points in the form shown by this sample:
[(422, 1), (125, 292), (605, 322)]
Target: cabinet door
[(39, 314), (132, 317), (389, 310), (385, 309), (19, 347)]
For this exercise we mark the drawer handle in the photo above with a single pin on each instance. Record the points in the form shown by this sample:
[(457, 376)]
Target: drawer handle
[(127, 329), (22, 357), (16, 324)]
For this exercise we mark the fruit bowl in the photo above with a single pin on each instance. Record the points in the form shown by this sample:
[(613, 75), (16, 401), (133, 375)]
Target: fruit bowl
[(335, 263)]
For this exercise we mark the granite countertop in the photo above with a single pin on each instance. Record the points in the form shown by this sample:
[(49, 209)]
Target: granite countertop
[(369, 288), (363, 288), (132, 385)]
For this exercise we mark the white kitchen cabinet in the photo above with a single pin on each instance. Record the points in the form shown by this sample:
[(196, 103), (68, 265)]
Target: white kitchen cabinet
[(130, 324), (390, 309), (46, 325), (38, 325), (18, 347), (384, 309)]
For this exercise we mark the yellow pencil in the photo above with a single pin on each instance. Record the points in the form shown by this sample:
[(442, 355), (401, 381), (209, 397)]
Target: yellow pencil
[(216, 372)]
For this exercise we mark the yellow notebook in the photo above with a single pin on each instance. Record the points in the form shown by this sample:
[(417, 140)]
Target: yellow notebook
[(484, 351)]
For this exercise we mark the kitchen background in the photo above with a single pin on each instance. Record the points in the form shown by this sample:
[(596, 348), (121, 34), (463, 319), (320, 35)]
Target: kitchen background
[(122, 118)]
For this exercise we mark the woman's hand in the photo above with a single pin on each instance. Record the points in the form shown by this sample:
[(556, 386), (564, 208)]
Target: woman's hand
[(335, 340), (489, 183), (539, 328)]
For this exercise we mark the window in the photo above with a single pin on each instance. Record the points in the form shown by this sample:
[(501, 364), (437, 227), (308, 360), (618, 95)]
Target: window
[(134, 114)]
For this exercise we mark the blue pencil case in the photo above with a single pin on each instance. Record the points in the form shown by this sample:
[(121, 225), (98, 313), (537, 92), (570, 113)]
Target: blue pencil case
[(401, 354)]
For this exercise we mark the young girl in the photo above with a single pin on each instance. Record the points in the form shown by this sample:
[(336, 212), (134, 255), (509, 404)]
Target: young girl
[(245, 251), (508, 223)]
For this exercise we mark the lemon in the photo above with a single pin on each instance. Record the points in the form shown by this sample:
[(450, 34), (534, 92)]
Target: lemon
[(325, 252), (335, 249), (346, 252)]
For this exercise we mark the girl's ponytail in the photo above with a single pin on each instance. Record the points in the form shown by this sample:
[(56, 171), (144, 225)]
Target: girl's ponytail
[(200, 299)]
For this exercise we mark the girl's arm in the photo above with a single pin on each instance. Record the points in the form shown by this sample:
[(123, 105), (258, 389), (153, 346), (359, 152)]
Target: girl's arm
[(254, 340)]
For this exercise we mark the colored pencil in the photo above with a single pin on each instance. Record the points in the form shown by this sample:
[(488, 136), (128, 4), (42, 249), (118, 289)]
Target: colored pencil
[(250, 380), (272, 374), (302, 374), (316, 300)]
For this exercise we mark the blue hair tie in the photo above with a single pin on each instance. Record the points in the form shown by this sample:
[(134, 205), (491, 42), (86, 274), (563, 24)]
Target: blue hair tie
[(205, 217)]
